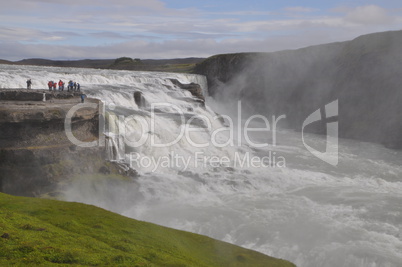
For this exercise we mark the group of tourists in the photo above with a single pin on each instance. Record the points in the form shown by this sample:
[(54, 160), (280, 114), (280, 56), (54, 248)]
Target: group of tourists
[(71, 86)]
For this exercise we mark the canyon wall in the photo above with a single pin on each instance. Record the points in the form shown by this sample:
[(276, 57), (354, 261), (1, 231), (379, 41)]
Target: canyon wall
[(364, 75)]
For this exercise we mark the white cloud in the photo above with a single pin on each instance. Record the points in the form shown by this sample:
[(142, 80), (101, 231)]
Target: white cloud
[(240, 13), (54, 38), (299, 9), (153, 30), (367, 15), (265, 27), (11, 34), (178, 48)]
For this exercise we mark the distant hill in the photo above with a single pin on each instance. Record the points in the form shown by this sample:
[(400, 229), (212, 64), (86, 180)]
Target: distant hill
[(171, 65), (85, 63), (364, 75), (5, 62)]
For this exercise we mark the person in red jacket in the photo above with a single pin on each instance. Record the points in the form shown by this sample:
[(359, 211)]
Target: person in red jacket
[(50, 85), (61, 85)]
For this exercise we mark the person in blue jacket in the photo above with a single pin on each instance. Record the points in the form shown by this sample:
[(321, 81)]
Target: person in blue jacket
[(70, 86), (83, 97)]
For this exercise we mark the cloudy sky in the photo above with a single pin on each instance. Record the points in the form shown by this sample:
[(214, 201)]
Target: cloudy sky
[(70, 29)]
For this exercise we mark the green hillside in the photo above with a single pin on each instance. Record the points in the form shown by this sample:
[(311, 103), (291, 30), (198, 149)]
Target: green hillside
[(45, 232)]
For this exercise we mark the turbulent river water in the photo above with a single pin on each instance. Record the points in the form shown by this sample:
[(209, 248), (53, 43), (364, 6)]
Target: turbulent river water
[(199, 176)]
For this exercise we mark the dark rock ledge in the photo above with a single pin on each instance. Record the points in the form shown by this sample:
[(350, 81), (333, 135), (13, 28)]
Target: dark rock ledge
[(35, 152)]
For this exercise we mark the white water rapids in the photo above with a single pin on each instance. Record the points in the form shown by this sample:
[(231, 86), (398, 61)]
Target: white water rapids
[(295, 207)]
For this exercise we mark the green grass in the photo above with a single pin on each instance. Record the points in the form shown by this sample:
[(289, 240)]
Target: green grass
[(44, 232)]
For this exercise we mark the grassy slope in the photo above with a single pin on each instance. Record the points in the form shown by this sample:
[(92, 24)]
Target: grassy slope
[(40, 232)]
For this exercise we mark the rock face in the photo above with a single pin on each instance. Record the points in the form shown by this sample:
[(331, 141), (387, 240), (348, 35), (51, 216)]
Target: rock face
[(193, 88), (140, 99), (221, 69), (364, 75), (35, 95), (35, 152)]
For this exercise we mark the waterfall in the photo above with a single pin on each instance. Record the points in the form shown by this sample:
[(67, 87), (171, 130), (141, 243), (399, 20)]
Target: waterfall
[(278, 199)]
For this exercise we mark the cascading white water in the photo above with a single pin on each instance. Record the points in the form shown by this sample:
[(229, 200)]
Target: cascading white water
[(292, 205), (15, 76)]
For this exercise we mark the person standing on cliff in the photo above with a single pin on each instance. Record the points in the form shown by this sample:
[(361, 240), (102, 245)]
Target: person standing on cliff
[(50, 85), (29, 83), (83, 97), (61, 84), (70, 86)]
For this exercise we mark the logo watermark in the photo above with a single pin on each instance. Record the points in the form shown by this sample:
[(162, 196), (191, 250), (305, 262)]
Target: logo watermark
[(330, 112), (202, 160), (137, 130)]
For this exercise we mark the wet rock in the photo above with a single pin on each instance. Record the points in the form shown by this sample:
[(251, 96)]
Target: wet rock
[(193, 88), (138, 98), (35, 95), (104, 170)]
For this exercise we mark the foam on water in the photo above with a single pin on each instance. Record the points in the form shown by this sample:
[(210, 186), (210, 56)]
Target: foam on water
[(308, 212)]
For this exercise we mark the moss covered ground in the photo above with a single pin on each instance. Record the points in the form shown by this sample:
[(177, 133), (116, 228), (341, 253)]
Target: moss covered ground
[(46, 232)]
